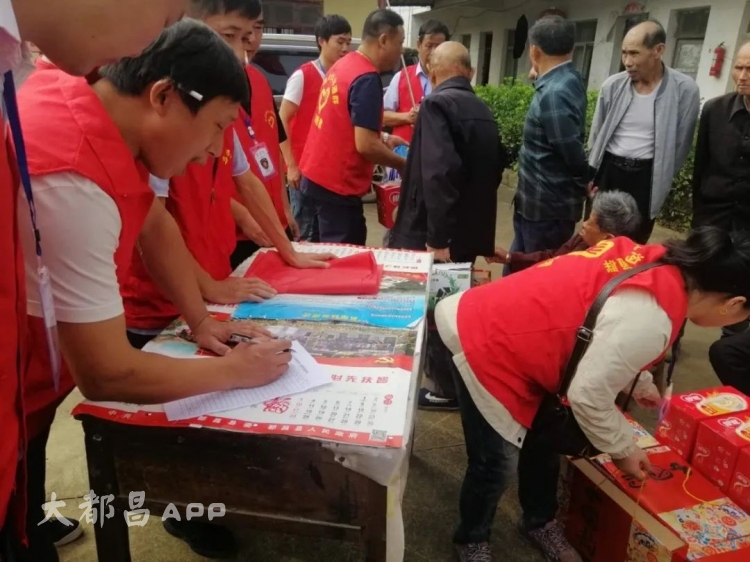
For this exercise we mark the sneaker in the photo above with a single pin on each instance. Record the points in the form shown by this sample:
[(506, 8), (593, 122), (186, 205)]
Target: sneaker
[(205, 539), (431, 401), (475, 552), (551, 541), (63, 534)]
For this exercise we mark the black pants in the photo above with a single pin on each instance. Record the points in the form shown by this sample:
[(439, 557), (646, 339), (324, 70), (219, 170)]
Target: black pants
[(341, 218), (535, 236), (633, 178), (138, 341), (730, 358), (246, 248), (41, 548), (492, 462)]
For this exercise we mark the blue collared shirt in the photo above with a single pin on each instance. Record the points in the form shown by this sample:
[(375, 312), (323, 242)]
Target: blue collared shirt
[(390, 99)]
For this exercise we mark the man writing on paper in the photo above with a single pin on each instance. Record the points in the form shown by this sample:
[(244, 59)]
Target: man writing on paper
[(448, 201), (154, 113), (61, 29)]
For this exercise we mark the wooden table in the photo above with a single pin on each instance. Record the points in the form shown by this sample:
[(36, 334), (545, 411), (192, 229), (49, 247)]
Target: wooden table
[(274, 483)]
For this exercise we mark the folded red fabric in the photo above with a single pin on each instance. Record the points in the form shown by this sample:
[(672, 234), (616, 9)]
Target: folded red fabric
[(359, 274)]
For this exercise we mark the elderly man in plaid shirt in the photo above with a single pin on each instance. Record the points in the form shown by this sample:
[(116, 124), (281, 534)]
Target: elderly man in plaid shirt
[(553, 169)]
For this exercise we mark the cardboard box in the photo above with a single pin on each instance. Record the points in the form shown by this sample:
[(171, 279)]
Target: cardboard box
[(448, 279), (718, 445), (388, 194), (480, 277), (679, 427), (739, 487), (604, 525)]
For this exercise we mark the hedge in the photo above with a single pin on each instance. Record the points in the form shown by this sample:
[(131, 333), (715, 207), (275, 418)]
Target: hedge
[(510, 102)]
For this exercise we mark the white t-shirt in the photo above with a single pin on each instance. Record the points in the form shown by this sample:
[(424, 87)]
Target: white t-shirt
[(240, 165), (295, 86), (634, 136), (14, 54), (80, 228)]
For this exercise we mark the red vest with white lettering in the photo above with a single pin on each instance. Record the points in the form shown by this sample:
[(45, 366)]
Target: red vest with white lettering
[(404, 99), (300, 122), (263, 121), (200, 202), (13, 332), (518, 332), (59, 107), (330, 158)]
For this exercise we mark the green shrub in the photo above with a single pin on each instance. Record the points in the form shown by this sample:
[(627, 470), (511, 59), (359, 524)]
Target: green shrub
[(510, 102)]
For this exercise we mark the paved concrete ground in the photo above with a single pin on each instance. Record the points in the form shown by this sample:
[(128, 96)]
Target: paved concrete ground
[(430, 506)]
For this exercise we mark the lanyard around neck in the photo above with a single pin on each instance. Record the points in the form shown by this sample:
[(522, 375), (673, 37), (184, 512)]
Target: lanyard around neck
[(14, 120)]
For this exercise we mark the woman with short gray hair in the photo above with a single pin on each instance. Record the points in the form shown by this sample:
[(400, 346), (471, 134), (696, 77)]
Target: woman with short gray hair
[(613, 214)]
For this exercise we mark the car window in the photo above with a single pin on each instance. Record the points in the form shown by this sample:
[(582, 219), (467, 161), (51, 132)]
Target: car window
[(278, 67)]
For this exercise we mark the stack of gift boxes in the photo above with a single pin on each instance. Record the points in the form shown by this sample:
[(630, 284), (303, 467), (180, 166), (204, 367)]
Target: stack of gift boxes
[(694, 504)]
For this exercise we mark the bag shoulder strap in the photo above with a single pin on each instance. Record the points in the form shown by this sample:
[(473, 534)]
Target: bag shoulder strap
[(586, 331)]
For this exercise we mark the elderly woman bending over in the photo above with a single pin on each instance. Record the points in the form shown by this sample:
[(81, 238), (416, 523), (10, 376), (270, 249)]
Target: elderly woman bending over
[(613, 214)]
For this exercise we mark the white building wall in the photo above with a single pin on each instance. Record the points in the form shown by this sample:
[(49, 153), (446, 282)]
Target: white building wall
[(728, 22), (410, 30)]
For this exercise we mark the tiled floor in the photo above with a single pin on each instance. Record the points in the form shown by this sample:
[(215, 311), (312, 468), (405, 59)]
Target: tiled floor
[(431, 498)]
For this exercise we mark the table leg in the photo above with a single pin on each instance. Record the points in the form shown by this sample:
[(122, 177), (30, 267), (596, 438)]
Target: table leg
[(376, 528), (112, 538)]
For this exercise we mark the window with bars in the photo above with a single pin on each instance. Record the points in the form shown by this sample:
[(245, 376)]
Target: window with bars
[(583, 50), (689, 37)]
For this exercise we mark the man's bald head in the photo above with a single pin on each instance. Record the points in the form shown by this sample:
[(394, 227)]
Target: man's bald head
[(449, 60), (741, 70), (649, 34)]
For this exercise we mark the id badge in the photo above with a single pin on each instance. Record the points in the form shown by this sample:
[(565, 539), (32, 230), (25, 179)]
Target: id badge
[(263, 160), (50, 323)]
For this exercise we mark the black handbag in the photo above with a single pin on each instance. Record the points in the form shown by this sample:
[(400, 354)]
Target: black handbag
[(555, 426)]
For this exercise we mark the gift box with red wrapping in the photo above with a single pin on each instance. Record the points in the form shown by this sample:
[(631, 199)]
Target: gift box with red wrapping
[(718, 446), (388, 194), (713, 526), (739, 487), (679, 427), (604, 525)]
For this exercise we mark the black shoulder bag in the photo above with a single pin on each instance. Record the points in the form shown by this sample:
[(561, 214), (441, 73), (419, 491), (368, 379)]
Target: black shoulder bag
[(555, 426)]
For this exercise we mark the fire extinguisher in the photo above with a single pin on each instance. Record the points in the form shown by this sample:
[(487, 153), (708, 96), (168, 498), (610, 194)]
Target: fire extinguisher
[(719, 54)]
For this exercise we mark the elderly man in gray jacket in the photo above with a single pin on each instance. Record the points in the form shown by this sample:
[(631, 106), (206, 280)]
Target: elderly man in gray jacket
[(644, 115)]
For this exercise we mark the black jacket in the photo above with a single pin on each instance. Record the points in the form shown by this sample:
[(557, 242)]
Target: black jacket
[(449, 189)]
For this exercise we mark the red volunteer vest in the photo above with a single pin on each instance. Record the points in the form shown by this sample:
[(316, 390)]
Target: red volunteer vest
[(300, 123), (200, 202), (54, 105), (263, 120), (518, 332), (13, 350), (348, 173), (404, 99)]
